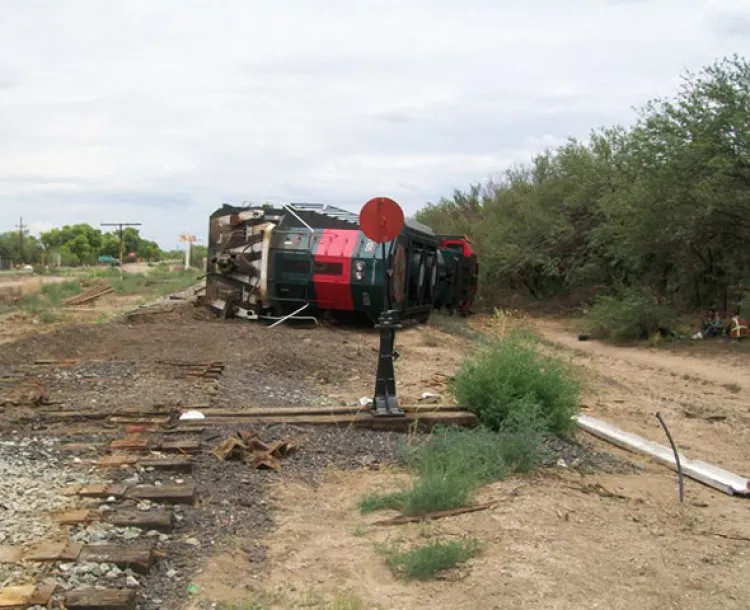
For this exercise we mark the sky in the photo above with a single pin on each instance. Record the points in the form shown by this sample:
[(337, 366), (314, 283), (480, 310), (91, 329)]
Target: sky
[(158, 111)]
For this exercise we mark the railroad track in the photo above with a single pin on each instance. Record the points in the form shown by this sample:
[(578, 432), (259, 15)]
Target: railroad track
[(153, 439)]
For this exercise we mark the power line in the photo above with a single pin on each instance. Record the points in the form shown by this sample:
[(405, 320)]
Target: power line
[(120, 226)]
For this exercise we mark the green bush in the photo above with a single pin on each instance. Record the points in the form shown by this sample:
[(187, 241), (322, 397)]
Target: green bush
[(511, 384), (632, 315)]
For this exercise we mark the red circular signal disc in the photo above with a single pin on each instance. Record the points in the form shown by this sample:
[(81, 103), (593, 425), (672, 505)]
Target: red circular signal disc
[(381, 219)]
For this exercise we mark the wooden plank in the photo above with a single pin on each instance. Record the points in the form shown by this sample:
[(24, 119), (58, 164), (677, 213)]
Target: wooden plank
[(278, 411), (129, 444), (181, 430), (17, 596), (174, 465), (362, 420), (143, 445), (159, 520), (172, 494), (95, 490), (44, 551), (42, 594), (101, 599), (154, 429), (129, 419), (10, 554), (116, 461), (52, 551), (75, 516), (705, 473), (137, 557), (181, 446), (71, 551), (78, 447), (99, 490)]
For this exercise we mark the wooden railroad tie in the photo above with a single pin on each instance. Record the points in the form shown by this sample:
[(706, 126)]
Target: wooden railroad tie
[(101, 599), (145, 446), (19, 597), (159, 520), (167, 494), (25, 596), (174, 465), (138, 557)]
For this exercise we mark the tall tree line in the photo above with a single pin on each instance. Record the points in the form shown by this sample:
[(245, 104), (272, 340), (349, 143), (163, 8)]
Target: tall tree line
[(662, 206), (79, 244)]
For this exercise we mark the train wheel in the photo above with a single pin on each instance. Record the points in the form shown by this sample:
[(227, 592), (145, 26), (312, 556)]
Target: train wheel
[(398, 279), (432, 270)]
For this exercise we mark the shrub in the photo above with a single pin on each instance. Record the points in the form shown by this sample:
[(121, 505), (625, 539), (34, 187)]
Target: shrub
[(510, 383), (632, 315), (451, 463), (425, 562)]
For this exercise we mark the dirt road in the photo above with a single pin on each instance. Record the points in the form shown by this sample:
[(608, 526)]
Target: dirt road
[(704, 400)]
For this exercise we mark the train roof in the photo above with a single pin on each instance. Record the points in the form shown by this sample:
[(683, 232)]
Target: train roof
[(319, 215)]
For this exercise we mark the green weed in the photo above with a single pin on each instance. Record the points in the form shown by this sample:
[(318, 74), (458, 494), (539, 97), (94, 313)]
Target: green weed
[(510, 383), (58, 292), (452, 463), (428, 561), (47, 317)]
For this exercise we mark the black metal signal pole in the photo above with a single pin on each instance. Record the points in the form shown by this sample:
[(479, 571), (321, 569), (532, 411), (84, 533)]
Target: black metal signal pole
[(385, 403)]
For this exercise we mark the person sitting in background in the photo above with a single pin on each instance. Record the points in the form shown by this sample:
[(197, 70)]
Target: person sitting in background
[(737, 328), (711, 327)]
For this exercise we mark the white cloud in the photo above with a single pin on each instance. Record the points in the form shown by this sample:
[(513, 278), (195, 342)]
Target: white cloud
[(156, 110)]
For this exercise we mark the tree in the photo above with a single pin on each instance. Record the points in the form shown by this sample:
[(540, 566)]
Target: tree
[(83, 244), (664, 205)]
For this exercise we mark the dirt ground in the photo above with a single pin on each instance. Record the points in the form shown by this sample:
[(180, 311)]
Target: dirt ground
[(560, 539), (566, 540)]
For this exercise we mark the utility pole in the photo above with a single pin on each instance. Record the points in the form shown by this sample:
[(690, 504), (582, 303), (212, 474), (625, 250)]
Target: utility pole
[(120, 226), (22, 230)]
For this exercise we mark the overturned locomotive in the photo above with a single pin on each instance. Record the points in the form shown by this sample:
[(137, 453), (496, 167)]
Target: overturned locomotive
[(269, 262)]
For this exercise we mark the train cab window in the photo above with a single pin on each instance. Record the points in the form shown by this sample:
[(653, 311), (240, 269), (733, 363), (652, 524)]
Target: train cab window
[(321, 268), (295, 265)]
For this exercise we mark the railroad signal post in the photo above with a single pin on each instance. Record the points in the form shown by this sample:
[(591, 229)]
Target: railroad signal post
[(381, 220), (190, 239)]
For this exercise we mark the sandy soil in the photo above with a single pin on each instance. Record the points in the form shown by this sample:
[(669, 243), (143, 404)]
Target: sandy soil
[(563, 541), (566, 541), (703, 400)]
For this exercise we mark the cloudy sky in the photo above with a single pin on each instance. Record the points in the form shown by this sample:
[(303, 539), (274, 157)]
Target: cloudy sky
[(156, 111)]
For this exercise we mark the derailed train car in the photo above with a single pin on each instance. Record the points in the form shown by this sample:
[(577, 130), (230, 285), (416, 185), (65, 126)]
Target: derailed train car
[(271, 261)]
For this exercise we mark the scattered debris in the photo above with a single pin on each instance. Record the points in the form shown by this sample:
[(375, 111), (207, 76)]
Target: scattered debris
[(403, 519), (192, 415), (248, 447), (92, 294), (206, 370), (718, 478), (430, 398)]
